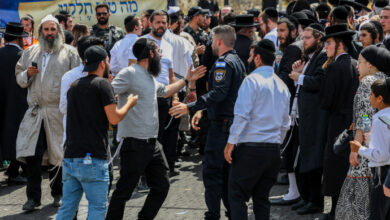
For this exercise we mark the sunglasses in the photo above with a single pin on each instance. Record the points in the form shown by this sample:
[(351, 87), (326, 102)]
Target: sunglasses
[(101, 14)]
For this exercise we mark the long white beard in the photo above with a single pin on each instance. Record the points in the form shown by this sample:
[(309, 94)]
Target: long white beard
[(47, 46)]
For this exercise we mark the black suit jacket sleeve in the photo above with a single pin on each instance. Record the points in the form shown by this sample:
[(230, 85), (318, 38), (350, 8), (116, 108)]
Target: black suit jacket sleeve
[(313, 79), (290, 55)]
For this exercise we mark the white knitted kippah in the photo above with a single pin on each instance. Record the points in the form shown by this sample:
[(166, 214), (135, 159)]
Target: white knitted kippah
[(49, 17)]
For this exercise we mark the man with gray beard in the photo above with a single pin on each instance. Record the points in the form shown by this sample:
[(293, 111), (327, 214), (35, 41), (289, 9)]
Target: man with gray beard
[(39, 140)]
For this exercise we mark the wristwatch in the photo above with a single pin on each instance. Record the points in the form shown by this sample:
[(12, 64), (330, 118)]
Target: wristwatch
[(186, 81)]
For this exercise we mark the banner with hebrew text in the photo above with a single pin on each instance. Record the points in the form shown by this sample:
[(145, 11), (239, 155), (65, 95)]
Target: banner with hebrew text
[(82, 11)]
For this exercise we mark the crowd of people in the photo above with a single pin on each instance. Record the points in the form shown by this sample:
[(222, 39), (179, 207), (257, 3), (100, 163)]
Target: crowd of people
[(302, 92)]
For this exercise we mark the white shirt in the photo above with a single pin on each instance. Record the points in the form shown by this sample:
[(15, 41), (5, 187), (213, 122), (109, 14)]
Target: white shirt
[(261, 112), (67, 79), (302, 76), (273, 36), (378, 151), (182, 50), (121, 52), (46, 58), (166, 59), (15, 45)]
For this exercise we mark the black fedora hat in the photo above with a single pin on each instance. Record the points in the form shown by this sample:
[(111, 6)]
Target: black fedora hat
[(337, 30), (357, 4), (14, 29), (302, 18), (243, 21)]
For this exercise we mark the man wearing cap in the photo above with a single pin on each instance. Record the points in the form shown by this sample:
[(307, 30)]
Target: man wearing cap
[(140, 153), (91, 108), (268, 23), (40, 134), (245, 32), (308, 74), (197, 17), (261, 120), (121, 53), (12, 100), (109, 33), (224, 81)]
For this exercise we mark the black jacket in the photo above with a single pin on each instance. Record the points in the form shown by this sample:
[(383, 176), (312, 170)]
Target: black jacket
[(312, 119), (13, 102), (337, 92), (242, 46), (292, 53)]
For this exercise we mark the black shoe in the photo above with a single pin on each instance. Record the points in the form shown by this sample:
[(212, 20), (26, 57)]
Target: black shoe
[(142, 185), (30, 205), (326, 217), (17, 180), (174, 172), (282, 179), (283, 202), (309, 208), (57, 201), (298, 205)]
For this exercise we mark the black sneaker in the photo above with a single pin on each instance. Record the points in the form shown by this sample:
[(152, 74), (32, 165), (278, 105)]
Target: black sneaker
[(142, 185), (30, 205), (174, 172), (57, 201)]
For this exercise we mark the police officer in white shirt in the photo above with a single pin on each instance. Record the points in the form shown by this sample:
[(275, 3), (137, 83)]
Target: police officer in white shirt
[(121, 52), (261, 120)]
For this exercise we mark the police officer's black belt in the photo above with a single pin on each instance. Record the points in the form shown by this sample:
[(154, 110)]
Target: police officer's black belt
[(260, 144), (148, 141)]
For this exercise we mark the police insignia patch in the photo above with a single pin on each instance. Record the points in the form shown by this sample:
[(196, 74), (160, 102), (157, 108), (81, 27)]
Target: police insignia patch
[(220, 64), (219, 74)]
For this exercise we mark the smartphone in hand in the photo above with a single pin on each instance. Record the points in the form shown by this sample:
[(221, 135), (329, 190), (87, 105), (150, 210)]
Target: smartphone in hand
[(34, 64)]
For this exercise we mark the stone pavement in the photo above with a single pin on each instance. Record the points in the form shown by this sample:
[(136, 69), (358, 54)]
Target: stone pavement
[(185, 199)]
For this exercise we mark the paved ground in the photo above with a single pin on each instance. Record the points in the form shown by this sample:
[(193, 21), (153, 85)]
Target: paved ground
[(184, 201)]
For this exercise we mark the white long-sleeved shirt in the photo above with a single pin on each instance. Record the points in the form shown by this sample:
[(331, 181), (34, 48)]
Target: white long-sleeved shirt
[(67, 79), (378, 151), (121, 52), (273, 36), (166, 59), (261, 112)]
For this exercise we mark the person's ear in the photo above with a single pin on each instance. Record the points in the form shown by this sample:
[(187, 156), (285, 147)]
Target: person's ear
[(151, 54)]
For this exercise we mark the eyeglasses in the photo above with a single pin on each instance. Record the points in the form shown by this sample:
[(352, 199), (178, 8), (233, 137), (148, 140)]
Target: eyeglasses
[(159, 51), (101, 14)]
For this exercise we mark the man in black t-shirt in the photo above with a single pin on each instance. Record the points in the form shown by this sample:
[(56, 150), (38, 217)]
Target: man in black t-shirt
[(91, 107)]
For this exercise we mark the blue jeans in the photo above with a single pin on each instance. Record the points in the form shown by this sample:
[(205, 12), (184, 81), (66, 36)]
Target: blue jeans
[(93, 179)]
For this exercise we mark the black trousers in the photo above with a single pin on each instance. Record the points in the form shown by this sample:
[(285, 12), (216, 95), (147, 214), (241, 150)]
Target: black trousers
[(310, 185), (291, 148), (167, 138), (379, 203), (34, 172), (13, 169), (253, 172), (139, 157)]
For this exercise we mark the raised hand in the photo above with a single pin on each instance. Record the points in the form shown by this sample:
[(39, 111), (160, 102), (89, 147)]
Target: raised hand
[(195, 74)]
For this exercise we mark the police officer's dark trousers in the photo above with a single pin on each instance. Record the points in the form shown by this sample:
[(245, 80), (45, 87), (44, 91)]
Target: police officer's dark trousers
[(215, 171), (140, 157), (253, 172)]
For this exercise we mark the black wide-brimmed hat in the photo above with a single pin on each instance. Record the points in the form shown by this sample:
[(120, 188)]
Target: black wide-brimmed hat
[(244, 21), (338, 31), (357, 4), (302, 18), (14, 29)]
